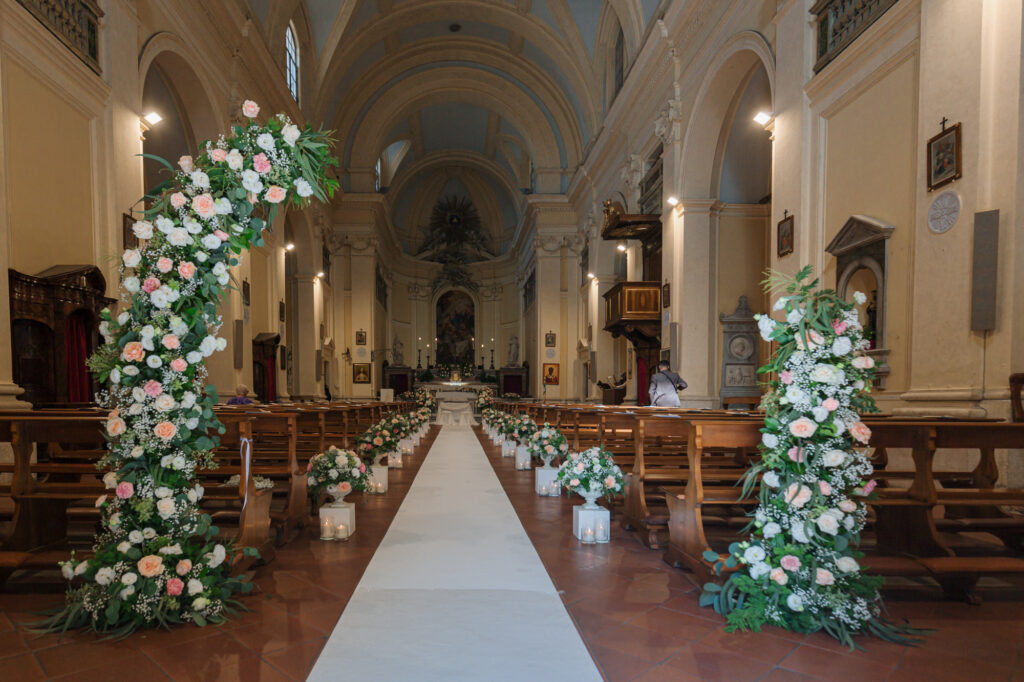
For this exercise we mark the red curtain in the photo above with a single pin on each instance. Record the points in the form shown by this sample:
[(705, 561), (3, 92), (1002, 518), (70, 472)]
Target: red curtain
[(642, 398), (77, 349), (271, 381)]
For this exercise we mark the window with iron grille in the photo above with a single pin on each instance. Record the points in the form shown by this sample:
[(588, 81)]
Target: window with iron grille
[(291, 62)]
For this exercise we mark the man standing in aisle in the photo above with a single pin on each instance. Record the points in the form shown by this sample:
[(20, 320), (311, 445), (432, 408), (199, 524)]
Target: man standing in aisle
[(664, 384)]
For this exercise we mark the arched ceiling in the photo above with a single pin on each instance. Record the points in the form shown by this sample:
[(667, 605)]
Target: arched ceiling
[(505, 95)]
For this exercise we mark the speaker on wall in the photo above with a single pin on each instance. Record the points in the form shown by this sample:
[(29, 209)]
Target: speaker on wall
[(984, 271), (673, 345), (593, 366), (238, 349)]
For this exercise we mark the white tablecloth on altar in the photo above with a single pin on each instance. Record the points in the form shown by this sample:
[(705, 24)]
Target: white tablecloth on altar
[(455, 396), (457, 413)]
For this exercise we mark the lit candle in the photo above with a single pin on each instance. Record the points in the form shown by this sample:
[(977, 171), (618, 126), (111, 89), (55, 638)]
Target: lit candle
[(342, 532), (588, 535), (602, 532), (326, 529)]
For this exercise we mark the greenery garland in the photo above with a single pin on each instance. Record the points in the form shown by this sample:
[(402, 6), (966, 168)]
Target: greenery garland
[(157, 561), (800, 568)]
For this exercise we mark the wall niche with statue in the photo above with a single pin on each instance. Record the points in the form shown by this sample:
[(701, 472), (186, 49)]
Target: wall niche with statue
[(861, 250)]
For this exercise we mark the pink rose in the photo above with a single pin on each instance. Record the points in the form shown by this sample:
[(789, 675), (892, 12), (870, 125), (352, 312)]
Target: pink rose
[(221, 235), (609, 482), (786, 377), (153, 388), (797, 495), (823, 577), (185, 163), (261, 163), (164, 264), (150, 284), (824, 487), (848, 506), (217, 155), (275, 194), (178, 200), (186, 269), (796, 454), (150, 565), (170, 342), (839, 326), (183, 567), (344, 487), (100, 500), (803, 427), (309, 467), (250, 109), (580, 466), (116, 426), (204, 205), (125, 489), (251, 197), (179, 364), (165, 430), (362, 468), (175, 586), (830, 404), (133, 351), (779, 576), (863, 362), (868, 488), (574, 482), (790, 562), (861, 432)]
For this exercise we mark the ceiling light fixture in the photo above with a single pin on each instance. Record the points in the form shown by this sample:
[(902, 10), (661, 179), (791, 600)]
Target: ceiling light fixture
[(763, 118)]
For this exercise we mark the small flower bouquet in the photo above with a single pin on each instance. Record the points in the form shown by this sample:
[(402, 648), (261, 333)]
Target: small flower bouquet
[(523, 427), (547, 443), (591, 474), (484, 398), (377, 441), (336, 473)]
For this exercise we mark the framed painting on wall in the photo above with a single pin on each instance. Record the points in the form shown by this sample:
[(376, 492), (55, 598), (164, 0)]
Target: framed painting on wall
[(550, 340), (128, 238), (360, 338), (785, 237), (361, 373), (551, 373), (944, 157)]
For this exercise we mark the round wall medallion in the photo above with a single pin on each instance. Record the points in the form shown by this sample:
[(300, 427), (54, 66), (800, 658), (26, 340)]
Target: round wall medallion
[(944, 212), (361, 352), (550, 352), (741, 347)]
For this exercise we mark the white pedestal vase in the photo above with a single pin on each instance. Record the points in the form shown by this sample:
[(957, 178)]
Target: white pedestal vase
[(522, 458), (508, 448), (590, 521), (545, 478)]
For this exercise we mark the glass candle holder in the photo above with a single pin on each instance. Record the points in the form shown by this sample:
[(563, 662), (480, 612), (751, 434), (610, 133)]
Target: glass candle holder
[(602, 533), (326, 529), (588, 535), (341, 533)]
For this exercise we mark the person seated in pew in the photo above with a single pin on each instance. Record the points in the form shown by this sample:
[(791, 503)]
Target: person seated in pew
[(664, 384), (241, 396)]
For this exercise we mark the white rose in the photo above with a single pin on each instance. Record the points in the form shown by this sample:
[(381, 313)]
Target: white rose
[(820, 413), (759, 570), (847, 564), (770, 440), (303, 188), (251, 181), (148, 533), (143, 229), (135, 409), (165, 507), (130, 370), (200, 179), (235, 160), (81, 568), (124, 546), (216, 557), (188, 399), (194, 587), (222, 206), (160, 299), (191, 423), (833, 458), (154, 361), (105, 576), (265, 141), (222, 343), (754, 554), (799, 532), (138, 395), (67, 570), (795, 603), (194, 357), (131, 258), (132, 284), (135, 537), (126, 592), (770, 479), (290, 133), (164, 402), (827, 523), (211, 242), (110, 480), (129, 578), (766, 326), (200, 603), (841, 346), (172, 550), (178, 462), (795, 315), (860, 298), (771, 529), (164, 224), (115, 376), (178, 237), (208, 345), (192, 226), (137, 451)]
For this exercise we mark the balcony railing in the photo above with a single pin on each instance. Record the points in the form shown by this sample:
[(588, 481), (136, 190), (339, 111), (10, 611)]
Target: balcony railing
[(840, 22), (74, 22)]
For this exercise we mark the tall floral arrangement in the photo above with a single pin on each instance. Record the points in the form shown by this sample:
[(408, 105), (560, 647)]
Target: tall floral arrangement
[(484, 397), (800, 567), (336, 471), (379, 440), (156, 560)]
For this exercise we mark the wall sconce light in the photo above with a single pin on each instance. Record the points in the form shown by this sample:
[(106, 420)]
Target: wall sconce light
[(152, 118), (289, 246), (621, 246), (320, 274), (673, 201), (147, 121), (763, 118)]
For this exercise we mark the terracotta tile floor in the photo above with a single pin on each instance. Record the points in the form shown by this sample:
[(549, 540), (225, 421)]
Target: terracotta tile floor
[(641, 620), (300, 597), (638, 616)]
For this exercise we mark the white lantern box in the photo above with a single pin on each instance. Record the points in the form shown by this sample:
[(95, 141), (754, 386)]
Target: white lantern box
[(337, 521), (522, 458), (508, 448), (378, 479), (546, 481), (395, 459), (591, 525)]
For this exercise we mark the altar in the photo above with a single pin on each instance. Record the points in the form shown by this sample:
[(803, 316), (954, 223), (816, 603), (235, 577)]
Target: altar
[(455, 407)]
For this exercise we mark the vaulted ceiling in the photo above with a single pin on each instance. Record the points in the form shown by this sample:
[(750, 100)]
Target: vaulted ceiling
[(490, 97)]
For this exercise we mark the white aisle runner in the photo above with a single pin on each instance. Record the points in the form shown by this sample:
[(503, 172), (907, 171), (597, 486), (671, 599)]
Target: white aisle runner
[(455, 591)]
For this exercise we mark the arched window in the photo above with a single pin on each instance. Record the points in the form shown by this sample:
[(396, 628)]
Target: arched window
[(620, 60), (291, 62)]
